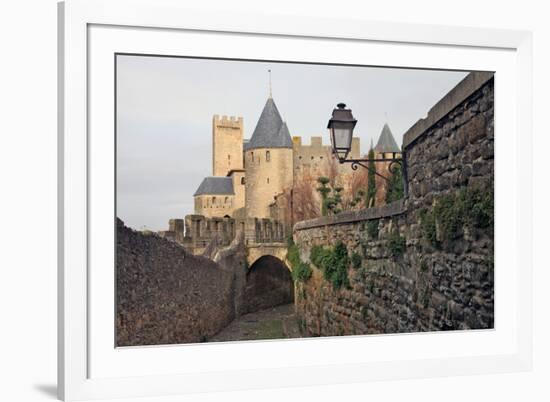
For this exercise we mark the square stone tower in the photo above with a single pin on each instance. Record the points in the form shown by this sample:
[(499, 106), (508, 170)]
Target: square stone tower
[(227, 144)]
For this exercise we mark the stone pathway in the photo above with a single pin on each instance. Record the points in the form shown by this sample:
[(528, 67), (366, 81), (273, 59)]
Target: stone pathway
[(273, 323)]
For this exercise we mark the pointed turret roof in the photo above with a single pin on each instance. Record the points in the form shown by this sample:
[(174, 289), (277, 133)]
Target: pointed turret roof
[(270, 131), (386, 142)]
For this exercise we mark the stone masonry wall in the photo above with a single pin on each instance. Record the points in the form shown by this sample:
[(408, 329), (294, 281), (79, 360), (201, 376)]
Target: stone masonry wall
[(166, 295), (424, 263)]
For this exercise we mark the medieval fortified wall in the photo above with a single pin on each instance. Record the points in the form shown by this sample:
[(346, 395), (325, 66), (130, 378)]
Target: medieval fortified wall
[(166, 294), (424, 263)]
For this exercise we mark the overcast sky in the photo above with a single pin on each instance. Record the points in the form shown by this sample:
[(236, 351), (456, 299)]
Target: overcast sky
[(165, 107)]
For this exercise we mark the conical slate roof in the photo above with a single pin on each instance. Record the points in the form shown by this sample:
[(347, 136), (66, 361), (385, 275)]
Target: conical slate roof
[(215, 185), (386, 142), (270, 131)]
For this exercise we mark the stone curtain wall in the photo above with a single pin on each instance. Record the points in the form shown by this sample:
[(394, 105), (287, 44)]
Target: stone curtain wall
[(166, 295), (424, 263)]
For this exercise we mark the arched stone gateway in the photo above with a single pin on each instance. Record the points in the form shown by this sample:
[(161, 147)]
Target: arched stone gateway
[(268, 284)]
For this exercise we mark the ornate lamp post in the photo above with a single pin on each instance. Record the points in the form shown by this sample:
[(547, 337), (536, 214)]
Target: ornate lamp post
[(341, 126)]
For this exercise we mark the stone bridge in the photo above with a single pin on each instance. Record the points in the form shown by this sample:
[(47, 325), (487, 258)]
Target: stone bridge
[(258, 250), (267, 278), (204, 236)]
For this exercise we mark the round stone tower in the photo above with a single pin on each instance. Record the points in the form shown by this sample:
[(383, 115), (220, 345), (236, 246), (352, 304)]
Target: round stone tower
[(268, 162)]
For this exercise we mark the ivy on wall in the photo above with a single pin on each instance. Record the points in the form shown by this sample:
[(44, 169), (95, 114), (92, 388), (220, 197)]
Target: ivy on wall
[(333, 262), (301, 271), (451, 213)]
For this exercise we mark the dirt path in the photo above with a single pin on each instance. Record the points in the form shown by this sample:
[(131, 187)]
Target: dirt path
[(274, 323)]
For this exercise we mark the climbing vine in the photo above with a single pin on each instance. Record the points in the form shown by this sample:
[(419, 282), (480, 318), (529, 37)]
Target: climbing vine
[(301, 271), (333, 262), (446, 219)]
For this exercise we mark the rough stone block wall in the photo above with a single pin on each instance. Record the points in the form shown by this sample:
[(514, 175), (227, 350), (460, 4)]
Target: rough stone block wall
[(433, 283), (166, 295)]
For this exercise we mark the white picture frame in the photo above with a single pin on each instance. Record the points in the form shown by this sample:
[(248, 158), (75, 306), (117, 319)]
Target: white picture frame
[(83, 27)]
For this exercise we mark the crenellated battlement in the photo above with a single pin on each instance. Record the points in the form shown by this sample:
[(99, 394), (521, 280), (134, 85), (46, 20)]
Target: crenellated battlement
[(227, 121), (196, 232), (317, 142)]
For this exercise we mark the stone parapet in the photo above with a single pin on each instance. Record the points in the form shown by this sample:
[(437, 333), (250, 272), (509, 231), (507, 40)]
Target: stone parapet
[(388, 210), (465, 88)]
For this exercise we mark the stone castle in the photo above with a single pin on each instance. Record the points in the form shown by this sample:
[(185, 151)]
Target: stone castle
[(424, 262), (252, 182)]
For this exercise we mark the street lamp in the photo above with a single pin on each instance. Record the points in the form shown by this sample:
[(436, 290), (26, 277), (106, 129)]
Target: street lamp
[(341, 126)]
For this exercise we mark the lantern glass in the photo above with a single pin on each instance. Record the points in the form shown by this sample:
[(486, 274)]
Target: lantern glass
[(341, 135)]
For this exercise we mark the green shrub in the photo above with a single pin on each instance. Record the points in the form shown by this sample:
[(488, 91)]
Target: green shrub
[(372, 228), (356, 260), (333, 262), (396, 244), (478, 207), (395, 190), (293, 254), (319, 256), (445, 221), (301, 271), (371, 180), (449, 214)]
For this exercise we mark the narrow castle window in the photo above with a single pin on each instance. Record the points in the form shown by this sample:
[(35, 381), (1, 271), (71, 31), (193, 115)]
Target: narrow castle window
[(213, 201), (267, 156), (252, 156), (242, 180), (268, 180), (226, 199)]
